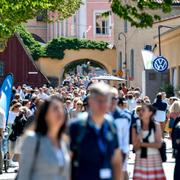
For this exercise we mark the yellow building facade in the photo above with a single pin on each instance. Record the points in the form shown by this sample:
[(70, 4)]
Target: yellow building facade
[(137, 39), (170, 47), (54, 68)]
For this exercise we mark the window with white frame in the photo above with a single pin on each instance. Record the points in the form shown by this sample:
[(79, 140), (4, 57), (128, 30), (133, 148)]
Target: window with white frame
[(58, 31), (73, 26), (132, 63), (62, 28), (67, 28), (102, 24)]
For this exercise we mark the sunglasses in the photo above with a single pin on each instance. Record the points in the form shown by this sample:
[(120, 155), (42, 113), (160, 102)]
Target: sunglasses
[(115, 98)]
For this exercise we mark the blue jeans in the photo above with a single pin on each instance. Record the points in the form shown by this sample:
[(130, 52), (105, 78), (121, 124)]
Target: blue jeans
[(5, 143)]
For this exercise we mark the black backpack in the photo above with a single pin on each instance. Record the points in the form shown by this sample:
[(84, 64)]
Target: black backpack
[(176, 138), (81, 132), (133, 123), (18, 127)]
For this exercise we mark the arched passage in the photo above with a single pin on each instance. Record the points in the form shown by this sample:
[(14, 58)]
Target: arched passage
[(54, 68), (83, 66)]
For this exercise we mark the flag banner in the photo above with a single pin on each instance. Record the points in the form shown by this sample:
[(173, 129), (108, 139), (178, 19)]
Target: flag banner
[(148, 58), (5, 94)]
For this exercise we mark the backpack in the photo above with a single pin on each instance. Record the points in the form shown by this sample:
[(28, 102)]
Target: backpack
[(83, 123), (18, 127), (81, 133), (175, 139), (134, 118)]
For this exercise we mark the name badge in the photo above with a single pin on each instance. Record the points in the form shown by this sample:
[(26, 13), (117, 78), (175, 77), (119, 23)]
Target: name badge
[(105, 173)]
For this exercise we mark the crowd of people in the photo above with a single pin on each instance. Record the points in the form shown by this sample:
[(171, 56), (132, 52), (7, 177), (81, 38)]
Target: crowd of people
[(83, 129)]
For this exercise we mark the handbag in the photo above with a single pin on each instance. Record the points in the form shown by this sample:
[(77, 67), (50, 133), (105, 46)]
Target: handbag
[(162, 151), (35, 155), (12, 136)]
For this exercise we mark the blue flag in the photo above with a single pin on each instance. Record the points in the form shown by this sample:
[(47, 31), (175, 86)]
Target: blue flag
[(5, 95)]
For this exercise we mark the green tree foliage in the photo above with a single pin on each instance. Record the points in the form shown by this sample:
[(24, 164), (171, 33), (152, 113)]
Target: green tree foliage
[(56, 47), (140, 13), (15, 12), (34, 48), (169, 89)]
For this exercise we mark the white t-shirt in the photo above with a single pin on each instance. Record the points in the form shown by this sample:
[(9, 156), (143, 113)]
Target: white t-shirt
[(11, 117), (160, 116), (131, 104), (43, 96)]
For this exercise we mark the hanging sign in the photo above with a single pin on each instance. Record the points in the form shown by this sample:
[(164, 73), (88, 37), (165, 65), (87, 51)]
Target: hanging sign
[(160, 64)]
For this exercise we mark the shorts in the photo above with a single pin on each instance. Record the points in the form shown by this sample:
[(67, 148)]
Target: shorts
[(12, 146), (18, 145)]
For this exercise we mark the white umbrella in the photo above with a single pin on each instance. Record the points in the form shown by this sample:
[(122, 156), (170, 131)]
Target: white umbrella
[(108, 78)]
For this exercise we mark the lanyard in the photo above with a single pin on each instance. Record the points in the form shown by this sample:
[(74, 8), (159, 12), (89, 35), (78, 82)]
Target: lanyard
[(101, 136)]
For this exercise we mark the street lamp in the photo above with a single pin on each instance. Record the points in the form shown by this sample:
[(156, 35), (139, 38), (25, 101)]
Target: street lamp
[(125, 49), (159, 35)]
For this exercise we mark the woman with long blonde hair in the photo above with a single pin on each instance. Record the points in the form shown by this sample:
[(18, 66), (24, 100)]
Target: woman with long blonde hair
[(174, 113)]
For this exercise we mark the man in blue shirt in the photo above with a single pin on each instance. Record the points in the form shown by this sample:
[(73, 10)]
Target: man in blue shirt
[(94, 144)]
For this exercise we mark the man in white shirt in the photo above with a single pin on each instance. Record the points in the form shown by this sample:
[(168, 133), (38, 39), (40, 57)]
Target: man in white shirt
[(122, 123), (42, 94)]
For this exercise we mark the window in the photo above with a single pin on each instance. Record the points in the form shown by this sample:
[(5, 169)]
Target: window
[(75, 23), (53, 30), (41, 16), (1, 68), (120, 66), (132, 63), (58, 29), (174, 77), (102, 24), (125, 26), (73, 26), (62, 28), (67, 29)]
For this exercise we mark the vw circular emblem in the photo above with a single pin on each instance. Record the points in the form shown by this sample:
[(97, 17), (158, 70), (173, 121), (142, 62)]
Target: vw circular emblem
[(160, 64)]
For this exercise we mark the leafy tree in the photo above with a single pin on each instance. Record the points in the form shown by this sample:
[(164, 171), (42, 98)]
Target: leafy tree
[(15, 12), (139, 12)]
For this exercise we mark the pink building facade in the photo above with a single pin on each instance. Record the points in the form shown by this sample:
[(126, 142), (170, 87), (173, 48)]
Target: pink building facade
[(87, 23)]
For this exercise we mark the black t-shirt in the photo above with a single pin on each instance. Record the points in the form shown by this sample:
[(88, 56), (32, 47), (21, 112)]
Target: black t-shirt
[(89, 158)]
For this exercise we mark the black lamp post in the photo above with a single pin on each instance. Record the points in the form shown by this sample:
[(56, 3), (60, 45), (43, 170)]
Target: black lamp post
[(125, 49), (159, 35)]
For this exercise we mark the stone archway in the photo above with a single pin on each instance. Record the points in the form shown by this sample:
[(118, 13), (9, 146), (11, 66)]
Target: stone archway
[(73, 65), (55, 67)]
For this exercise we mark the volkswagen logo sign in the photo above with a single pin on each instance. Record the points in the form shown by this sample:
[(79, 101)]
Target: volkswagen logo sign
[(160, 64)]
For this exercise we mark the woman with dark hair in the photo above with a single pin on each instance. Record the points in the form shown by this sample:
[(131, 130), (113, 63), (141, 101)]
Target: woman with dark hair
[(44, 153), (146, 139)]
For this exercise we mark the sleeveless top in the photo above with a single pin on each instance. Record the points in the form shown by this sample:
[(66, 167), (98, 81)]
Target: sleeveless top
[(151, 139)]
